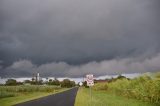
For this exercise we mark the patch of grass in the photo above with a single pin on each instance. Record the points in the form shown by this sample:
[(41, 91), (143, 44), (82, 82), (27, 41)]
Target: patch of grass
[(102, 98)]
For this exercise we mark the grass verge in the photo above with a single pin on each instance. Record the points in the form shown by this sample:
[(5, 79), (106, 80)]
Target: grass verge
[(102, 98)]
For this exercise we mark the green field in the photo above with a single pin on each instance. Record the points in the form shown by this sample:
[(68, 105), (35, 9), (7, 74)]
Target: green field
[(102, 98), (11, 95)]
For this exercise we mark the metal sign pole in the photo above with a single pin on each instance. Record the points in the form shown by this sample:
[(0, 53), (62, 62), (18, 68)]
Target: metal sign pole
[(90, 96)]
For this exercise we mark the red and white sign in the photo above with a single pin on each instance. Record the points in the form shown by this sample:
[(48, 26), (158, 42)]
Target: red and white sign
[(90, 80)]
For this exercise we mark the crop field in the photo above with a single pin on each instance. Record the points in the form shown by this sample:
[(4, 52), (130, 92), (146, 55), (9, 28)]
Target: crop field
[(10, 95)]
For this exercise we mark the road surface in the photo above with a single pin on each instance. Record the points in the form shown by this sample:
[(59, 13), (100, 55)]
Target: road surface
[(66, 98)]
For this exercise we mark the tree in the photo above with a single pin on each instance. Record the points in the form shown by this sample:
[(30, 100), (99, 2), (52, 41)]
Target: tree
[(72, 83), (56, 82), (27, 81), (34, 82), (67, 83), (50, 80), (53, 82), (121, 77), (11, 82)]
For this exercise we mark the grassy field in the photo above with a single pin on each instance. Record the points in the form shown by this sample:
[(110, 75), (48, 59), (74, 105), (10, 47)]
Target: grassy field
[(102, 98), (145, 88), (11, 95)]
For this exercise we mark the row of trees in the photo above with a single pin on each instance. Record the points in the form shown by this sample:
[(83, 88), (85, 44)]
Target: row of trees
[(65, 83), (13, 82)]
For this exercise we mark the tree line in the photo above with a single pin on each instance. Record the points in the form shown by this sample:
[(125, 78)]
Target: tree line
[(65, 83)]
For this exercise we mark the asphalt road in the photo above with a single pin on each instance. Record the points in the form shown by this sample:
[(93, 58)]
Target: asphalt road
[(66, 98)]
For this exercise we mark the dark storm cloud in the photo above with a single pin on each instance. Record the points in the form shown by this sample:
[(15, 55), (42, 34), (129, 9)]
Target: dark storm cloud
[(26, 68), (76, 33)]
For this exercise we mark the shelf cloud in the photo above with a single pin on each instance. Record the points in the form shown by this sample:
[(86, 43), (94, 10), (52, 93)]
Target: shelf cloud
[(26, 68)]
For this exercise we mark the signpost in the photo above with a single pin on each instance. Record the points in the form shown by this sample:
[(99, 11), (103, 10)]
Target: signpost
[(90, 83)]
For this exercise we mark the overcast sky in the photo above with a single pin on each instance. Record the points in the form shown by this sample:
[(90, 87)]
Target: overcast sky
[(70, 38)]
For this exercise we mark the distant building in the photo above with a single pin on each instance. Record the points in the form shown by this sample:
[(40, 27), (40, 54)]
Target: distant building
[(36, 77)]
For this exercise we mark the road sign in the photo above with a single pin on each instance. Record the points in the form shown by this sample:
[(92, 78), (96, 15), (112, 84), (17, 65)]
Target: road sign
[(90, 80)]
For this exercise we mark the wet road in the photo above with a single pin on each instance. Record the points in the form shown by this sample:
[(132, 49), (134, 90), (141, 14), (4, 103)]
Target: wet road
[(66, 98)]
